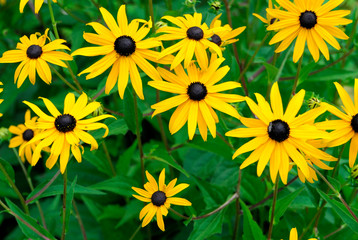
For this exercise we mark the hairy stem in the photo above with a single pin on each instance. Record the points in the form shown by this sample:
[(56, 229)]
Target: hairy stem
[(297, 77)]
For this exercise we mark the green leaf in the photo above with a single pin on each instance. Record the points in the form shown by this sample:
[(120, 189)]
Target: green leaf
[(282, 205), (120, 185), (341, 210), (305, 71), (99, 163), (129, 113), (271, 70), (333, 75), (8, 169), (206, 227), (69, 199), (156, 151), (118, 127), (131, 212), (123, 163), (28, 225), (335, 183), (251, 230), (92, 206)]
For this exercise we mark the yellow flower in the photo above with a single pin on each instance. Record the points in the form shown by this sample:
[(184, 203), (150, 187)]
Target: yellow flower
[(279, 136), (38, 4), (197, 96), (34, 54), (124, 50), (159, 197), (1, 100), (24, 135), (269, 19), (226, 37), (308, 21), (294, 235), (64, 131), (347, 128), (194, 35)]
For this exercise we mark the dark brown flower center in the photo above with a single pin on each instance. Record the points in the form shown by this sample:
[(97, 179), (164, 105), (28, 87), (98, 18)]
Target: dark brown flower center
[(158, 198), (28, 135), (354, 123), (124, 45), (272, 21), (195, 33), (197, 91), (34, 51), (216, 39), (65, 123), (308, 19), (278, 130)]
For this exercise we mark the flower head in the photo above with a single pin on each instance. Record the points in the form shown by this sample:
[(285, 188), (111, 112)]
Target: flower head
[(34, 54), (194, 37), (197, 96), (269, 19), (311, 22), (124, 50), (38, 4), (159, 197), (346, 128), (225, 37), (24, 135), (64, 131), (294, 235), (279, 136)]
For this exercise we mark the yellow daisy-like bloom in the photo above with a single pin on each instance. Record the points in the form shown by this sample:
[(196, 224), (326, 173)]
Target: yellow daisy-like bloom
[(38, 4), (64, 131), (1, 100), (279, 136), (159, 197), (195, 39), (294, 235), (198, 95), (34, 54), (226, 37), (124, 50), (347, 128), (308, 21), (24, 135), (269, 19)]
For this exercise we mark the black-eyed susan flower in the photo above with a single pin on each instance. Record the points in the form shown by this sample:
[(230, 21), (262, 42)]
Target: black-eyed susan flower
[(294, 235), (278, 135), (159, 198), (1, 100), (269, 19), (124, 50), (225, 37), (24, 135), (311, 22), (38, 4), (197, 96), (64, 131), (34, 54), (346, 128), (195, 39)]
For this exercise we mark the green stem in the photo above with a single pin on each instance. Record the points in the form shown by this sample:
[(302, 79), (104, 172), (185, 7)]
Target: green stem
[(108, 157), (64, 80), (135, 232), (79, 219), (63, 235), (151, 13), (253, 57), (12, 184), (338, 160), (297, 77), (54, 26), (335, 191), (138, 136), (28, 179), (273, 208)]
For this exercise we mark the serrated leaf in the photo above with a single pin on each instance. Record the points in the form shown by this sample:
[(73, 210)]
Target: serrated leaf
[(206, 227), (341, 210), (251, 230), (28, 225)]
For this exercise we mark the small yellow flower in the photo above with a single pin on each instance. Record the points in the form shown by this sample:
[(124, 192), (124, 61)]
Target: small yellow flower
[(294, 235), (159, 197), (34, 54), (38, 4), (223, 38), (269, 19), (308, 21), (64, 131), (24, 135)]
